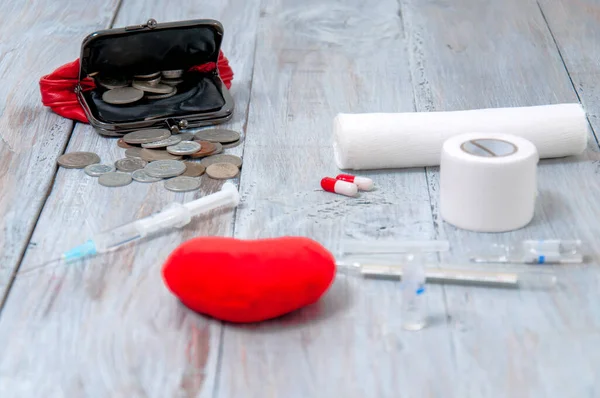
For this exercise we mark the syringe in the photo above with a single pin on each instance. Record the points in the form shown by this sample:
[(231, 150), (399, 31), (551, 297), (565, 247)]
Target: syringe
[(553, 251), (462, 276), (175, 215)]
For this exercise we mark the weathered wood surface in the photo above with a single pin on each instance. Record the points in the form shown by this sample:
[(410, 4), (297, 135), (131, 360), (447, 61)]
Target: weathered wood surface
[(35, 38), (470, 54), (108, 327), (314, 60)]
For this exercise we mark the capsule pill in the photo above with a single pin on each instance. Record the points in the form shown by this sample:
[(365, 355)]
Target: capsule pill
[(338, 186), (363, 183)]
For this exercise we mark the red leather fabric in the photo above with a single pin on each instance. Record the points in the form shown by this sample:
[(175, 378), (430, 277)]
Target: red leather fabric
[(58, 88), (248, 280)]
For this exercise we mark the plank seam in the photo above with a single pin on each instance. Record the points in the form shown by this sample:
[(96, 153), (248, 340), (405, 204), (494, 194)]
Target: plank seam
[(49, 189), (562, 59), (235, 213), (15, 271)]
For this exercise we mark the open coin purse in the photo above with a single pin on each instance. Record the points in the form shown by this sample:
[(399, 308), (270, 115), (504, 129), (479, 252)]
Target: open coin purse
[(142, 50)]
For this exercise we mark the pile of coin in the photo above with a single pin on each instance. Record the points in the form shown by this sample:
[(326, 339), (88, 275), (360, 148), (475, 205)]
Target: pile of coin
[(155, 155), (152, 86)]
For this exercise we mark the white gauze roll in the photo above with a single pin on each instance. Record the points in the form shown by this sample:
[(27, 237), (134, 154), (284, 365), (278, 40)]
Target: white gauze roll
[(414, 139), (488, 182)]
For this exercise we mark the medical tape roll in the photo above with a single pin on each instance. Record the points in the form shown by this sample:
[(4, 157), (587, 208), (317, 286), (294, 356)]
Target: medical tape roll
[(488, 182), (414, 139)]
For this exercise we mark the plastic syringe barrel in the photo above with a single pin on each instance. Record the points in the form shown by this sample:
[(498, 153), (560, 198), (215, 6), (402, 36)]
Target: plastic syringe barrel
[(350, 246), (177, 215)]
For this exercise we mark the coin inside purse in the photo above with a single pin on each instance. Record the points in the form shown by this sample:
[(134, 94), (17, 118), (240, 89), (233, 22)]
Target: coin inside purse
[(125, 57)]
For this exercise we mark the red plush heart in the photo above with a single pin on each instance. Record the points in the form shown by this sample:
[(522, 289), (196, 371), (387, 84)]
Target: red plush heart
[(248, 280)]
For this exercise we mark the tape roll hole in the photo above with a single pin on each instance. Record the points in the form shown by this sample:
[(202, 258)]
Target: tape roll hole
[(488, 147)]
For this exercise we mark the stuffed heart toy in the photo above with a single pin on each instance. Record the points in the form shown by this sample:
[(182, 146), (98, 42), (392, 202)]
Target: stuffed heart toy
[(248, 280)]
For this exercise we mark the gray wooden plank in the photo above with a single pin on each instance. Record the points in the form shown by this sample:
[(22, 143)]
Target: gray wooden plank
[(466, 55), (108, 326), (314, 60), (34, 39)]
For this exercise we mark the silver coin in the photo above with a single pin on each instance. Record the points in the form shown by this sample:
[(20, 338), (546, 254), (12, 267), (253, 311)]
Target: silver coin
[(222, 171), (158, 88), (165, 168), (133, 153), (151, 155), (218, 135), (232, 159), (182, 184), (171, 82), (142, 176), (147, 76), (78, 160), (152, 82), (114, 179), (172, 74), (186, 136), (232, 144), (184, 148), (148, 135), (96, 170), (172, 140), (111, 82), (130, 164), (124, 95), (161, 96)]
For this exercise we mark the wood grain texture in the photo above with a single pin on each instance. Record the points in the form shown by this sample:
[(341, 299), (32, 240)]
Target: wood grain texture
[(108, 326), (312, 61), (35, 38), (465, 55)]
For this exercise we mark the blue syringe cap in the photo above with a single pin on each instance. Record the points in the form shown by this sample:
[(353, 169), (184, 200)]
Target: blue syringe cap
[(81, 251)]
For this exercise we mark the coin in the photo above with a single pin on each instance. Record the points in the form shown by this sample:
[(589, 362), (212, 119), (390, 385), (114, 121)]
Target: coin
[(152, 82), (207, 148), (182, 184), (218, 135), (184, 148), (130, 164), (171, 82), (133, 152), (147, 76), (172, 140), (142, 176), (222, 171), (193, 169), (124, 95), (111, 82), (232, 144), (78, 160), (186, 136), (218, 150), (234, 160), (148, 135), (158, 89), (151, 155), (165, 168), (96, 170), (114, 179), (172, 74), (161, 96), (123, 144)]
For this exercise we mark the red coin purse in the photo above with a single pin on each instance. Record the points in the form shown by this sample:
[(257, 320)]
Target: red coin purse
[(202, 96)]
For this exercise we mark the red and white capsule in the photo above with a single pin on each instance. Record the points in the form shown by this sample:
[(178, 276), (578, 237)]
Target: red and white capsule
[(338, 186), (363, 183)]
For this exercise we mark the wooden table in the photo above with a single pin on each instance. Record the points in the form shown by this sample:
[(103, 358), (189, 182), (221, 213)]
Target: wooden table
[(109, 328)]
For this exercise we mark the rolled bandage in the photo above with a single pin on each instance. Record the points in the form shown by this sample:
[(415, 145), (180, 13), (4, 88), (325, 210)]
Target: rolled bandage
[(415, 139)]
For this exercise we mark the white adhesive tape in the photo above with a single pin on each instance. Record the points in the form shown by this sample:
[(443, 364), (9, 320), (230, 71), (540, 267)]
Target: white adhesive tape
[(488, 182)]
